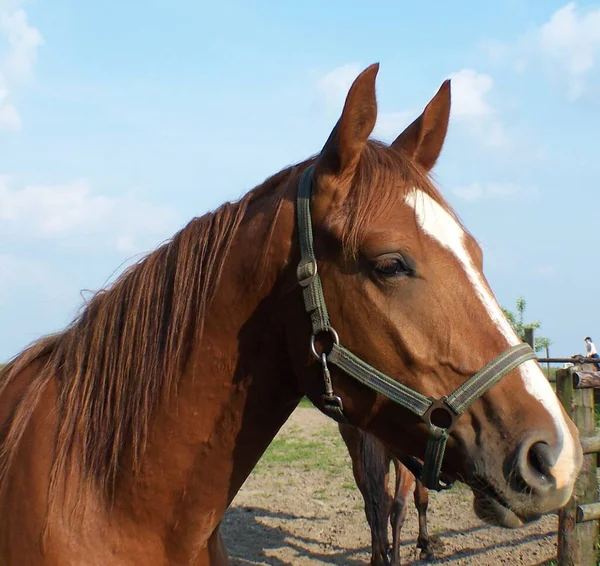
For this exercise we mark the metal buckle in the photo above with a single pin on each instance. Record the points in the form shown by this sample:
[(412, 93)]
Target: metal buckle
[(436, 406), (306, 271), (332, 402), (444, 486), (334, 335)]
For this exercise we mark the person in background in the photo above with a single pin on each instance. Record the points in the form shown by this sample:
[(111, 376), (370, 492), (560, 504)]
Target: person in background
[(590, 350)]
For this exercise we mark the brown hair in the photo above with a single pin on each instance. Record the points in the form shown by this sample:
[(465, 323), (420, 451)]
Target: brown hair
[(126, 349), (132, 341)]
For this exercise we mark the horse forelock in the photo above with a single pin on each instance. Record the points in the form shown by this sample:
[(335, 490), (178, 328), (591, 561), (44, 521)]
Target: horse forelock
[(383, 179)]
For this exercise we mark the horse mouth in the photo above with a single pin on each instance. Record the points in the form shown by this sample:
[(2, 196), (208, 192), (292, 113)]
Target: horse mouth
[(491, 507)]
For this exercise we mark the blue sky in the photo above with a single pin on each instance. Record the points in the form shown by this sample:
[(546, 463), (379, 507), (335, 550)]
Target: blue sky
[(119, 121)]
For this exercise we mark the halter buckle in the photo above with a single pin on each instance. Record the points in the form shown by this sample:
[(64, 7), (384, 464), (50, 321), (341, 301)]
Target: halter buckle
[(445, 485), (440, 415), (306, 271), (332, 402)]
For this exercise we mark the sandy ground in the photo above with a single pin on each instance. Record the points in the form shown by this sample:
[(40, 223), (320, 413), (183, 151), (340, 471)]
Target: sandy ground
[(294, 513)]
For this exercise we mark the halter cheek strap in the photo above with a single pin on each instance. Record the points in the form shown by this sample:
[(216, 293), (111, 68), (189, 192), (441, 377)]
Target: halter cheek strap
[(440, 415)]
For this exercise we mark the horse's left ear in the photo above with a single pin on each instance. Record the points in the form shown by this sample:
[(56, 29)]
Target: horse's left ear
[(341, 152), (336, 164), (422, 141)]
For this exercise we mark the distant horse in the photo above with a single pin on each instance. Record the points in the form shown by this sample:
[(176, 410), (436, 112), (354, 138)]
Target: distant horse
[(125, 437), (371, 461)]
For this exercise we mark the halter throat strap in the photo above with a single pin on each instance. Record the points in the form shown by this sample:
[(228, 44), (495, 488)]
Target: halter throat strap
[(440, 415)]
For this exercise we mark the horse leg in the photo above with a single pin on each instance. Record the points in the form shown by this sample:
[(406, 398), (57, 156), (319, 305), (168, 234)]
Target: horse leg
[(404, 481), (421, 503), (214, 553), (371, 473)]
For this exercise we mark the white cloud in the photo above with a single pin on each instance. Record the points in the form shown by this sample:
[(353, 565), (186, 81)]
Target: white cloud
[(567, 46), (471, 192), (495, 134), (470, 90), (18, 62), (74, 215), (23, 40), (391, 124), (9, 117), (487, 131), (334, 86), (471, 106), (571, 41), (492, 191)]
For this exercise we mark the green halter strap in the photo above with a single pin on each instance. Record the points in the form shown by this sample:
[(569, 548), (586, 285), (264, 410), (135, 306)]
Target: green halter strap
[(428, 408)]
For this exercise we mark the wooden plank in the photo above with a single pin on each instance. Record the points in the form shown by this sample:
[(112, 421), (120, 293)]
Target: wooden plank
[(590, 444), (577, 541), (572, 360), (586, 379), (528, 336), (588, 512), (568, 545), (587, 484)]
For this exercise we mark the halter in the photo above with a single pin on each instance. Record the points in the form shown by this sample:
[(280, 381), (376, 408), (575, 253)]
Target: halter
[(441, 414)]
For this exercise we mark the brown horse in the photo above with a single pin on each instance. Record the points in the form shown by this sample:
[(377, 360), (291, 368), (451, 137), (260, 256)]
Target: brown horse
[(371, 460), (126, 436)]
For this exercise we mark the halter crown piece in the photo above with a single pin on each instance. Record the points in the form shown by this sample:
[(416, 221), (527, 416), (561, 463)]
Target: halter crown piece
[(453, 405)]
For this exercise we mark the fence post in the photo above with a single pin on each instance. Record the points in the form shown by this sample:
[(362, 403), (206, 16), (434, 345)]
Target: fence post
[(529, 336), (577, 541), (568, 548)]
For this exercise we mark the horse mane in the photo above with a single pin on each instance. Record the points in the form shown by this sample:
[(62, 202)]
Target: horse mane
[(124, 353)]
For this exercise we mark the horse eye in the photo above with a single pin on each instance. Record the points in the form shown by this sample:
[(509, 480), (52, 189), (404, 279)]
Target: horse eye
[(391, 265)]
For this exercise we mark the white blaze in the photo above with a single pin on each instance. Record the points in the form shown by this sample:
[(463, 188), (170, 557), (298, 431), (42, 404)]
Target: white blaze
[(436, 221)]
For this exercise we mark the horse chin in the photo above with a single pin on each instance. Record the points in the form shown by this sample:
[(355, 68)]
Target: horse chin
[(495, 512)]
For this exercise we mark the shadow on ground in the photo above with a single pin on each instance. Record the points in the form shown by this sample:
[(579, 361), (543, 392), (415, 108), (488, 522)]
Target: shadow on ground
[(251, 540)]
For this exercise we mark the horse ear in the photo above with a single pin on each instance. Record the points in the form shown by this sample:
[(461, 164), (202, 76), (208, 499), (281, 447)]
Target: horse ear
[(422, 141), (342, 150)]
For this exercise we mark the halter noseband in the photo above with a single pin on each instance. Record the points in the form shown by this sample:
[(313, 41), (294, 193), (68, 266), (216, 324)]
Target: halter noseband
[(426, 408)]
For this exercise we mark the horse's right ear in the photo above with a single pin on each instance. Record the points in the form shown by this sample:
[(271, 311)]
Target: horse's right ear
[(342, 150), (422, 141)]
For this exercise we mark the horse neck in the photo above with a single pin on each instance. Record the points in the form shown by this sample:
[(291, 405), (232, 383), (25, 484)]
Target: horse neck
[(236, 394)]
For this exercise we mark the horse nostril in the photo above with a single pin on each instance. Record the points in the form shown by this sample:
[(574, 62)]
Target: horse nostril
[(540, 458), (534, 466)]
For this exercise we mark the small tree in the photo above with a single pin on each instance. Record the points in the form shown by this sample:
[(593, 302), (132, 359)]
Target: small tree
[(517, 321)]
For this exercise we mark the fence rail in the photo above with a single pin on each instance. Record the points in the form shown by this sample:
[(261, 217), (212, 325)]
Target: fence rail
[(573, 360), (588, 512)]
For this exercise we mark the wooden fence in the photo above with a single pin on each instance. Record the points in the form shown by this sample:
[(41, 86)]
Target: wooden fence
[(578, 521)]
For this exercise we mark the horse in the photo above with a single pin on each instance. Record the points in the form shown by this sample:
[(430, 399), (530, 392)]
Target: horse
[(125, 437), (371, 461)]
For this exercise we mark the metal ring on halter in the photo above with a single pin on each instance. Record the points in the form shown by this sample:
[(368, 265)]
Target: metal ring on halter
[(440, 405), (334, 335)]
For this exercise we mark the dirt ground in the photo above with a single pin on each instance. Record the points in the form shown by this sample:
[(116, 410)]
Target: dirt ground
[(301, 507)]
